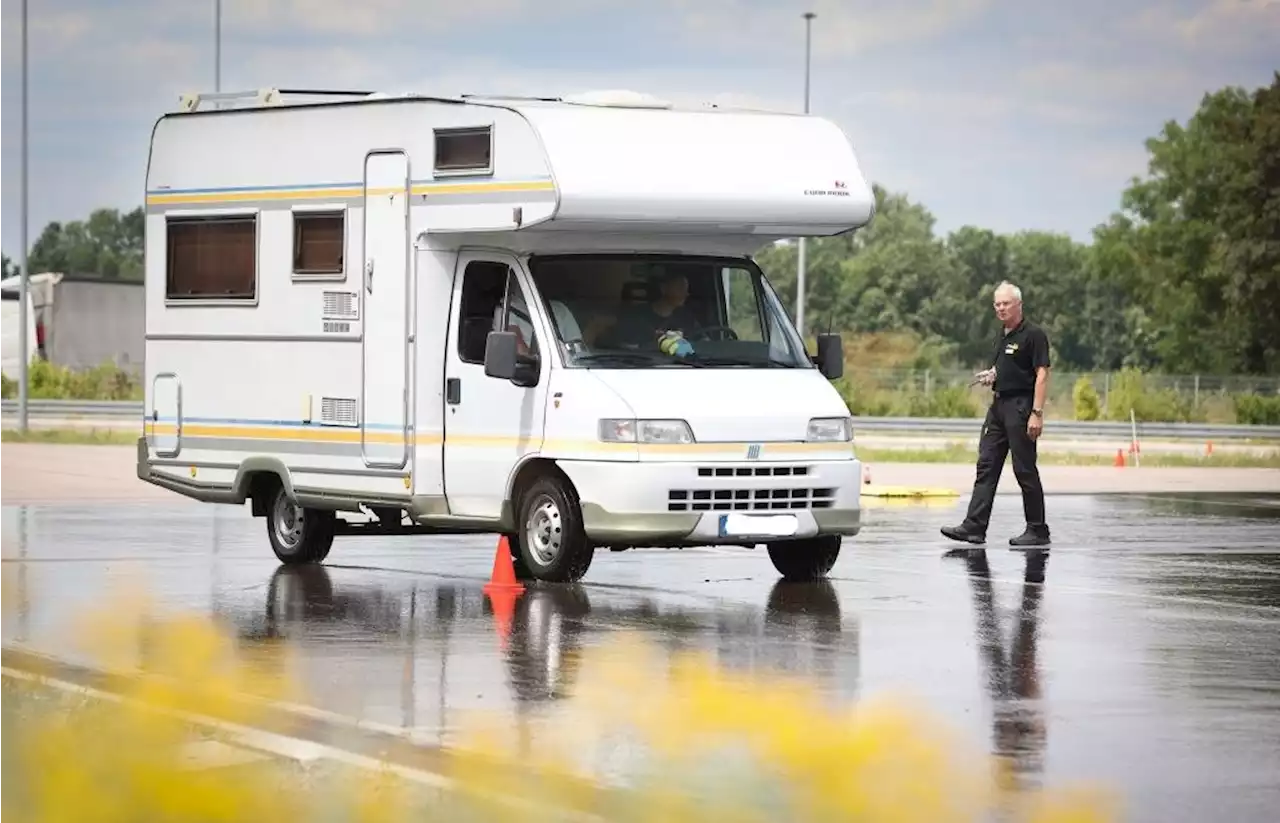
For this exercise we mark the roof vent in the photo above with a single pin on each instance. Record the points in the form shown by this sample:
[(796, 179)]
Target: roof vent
[(618, 99)]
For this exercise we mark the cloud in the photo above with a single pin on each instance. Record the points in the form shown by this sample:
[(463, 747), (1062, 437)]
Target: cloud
[(988, 111), (841, 28), (374, 17), (748, 27), (977, 109), (1222, 26), (1114, 83)]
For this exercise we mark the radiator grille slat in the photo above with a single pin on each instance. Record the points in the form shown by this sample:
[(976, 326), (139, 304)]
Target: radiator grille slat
[(724, 500)]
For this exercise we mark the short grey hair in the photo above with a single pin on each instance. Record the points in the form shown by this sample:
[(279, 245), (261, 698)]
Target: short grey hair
[(1011, 288)]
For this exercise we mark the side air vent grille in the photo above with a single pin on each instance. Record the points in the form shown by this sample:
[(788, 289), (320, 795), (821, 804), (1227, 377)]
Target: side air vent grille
[(339, 411), (341, 305)]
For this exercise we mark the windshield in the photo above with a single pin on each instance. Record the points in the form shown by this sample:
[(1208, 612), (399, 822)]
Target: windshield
[(647, 311)]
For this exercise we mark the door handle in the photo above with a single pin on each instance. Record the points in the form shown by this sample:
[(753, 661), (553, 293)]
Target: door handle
[(453, 391), (368, 276)]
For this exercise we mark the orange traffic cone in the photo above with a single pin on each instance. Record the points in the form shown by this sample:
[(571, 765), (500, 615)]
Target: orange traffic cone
[(1208, 449), (503, 577), (503, 590), (1119, 463)]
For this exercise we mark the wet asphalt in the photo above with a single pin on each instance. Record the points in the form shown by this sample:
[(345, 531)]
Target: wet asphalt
[(1141, 651)]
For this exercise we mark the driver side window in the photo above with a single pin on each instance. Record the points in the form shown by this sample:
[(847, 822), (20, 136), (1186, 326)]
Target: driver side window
[(518, 318), (492, 300), (742, 308)]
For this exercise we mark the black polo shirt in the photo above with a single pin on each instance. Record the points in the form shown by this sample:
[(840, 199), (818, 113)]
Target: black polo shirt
[(1017, 356)]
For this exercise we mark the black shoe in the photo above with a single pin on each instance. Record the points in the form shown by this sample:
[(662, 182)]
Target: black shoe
[(1029, 538), (963, 535)]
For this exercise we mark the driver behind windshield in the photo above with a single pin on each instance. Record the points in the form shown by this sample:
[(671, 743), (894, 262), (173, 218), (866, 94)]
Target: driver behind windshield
[(646, 324)]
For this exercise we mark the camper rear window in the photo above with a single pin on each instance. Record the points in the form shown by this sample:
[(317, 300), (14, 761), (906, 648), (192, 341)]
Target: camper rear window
[(468, 150), (212, 258)]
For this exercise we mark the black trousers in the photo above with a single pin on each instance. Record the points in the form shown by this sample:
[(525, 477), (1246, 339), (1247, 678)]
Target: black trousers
[(1005, 431)]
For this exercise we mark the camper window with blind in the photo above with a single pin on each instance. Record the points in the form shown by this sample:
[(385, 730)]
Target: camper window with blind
[(212, 258), (319, 243)]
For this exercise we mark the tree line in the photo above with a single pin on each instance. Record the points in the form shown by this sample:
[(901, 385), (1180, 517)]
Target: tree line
[(1184, 277)]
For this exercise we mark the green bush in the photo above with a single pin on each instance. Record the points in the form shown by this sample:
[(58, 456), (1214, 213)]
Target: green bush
[(866, 401), (47, 381), (951, 401), (1129, 391), (1257, 409), (863, 400), (1085, 400)]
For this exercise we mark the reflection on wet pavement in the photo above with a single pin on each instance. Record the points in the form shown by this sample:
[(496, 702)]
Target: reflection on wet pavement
[(1013, 676), (1148, 659)]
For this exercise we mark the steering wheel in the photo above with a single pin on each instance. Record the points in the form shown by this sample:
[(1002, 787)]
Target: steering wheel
[(705, 333)]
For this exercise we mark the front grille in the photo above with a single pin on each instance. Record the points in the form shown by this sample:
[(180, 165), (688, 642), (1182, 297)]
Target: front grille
[(704, 500), (753, 471)]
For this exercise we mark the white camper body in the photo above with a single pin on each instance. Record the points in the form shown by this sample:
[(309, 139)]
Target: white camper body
[(415, 312)]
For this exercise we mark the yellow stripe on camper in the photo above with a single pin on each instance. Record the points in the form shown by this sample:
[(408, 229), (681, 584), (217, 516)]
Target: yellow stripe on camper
[(318, 434), (339, 192)]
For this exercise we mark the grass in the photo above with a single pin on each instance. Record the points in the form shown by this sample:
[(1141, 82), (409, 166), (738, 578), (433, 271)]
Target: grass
[(76, 437)]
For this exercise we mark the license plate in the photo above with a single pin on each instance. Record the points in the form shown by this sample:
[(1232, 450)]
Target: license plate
[(758, 525)]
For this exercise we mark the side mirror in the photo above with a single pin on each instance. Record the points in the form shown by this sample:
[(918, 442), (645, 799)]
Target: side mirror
[(830, 357), (503, 360), (500, 355), (526, 371)]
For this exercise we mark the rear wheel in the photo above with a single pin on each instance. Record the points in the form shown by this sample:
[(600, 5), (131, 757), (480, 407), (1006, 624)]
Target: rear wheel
[(298, 535), (810, 558), (552, 543)]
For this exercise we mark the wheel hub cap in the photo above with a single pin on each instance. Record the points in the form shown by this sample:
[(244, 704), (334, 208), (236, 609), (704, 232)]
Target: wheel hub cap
[(288, 522), (544, 532)]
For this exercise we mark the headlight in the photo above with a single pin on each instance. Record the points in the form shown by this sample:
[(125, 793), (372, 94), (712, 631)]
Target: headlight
[(830, 430), (645, 431)]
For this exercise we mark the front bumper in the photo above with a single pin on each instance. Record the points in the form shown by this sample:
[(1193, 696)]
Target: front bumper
[(661, 503)]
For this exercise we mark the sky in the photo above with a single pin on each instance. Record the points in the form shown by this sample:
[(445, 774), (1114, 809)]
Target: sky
[(1006, 114)]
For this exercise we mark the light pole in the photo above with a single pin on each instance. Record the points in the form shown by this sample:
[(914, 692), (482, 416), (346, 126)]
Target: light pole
[(217, 45), (24, 350), (800, 257)]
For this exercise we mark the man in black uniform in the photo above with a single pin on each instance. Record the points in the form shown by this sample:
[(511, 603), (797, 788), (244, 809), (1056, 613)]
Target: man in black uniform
[(1019, 377)]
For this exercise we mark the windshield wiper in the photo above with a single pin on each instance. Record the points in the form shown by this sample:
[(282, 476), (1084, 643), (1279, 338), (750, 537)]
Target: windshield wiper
[(742, 361), (636, 358)]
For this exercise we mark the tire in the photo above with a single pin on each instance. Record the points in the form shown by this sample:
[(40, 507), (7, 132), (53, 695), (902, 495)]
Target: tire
[(808, 559), (298, 535), (552, 544)]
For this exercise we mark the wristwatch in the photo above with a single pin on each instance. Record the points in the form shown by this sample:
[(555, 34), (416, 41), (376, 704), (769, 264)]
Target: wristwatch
[(1038, 412)]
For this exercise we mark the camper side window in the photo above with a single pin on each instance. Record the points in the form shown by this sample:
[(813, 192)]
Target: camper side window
[(491, 291), (212, 258), (319, 240)]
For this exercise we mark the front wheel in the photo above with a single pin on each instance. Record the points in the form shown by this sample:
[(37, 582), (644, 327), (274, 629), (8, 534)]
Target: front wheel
[(298, 535), (553, 545), (810, 558)]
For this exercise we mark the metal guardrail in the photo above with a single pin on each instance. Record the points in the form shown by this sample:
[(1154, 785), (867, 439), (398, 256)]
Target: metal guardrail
[(920, 426), (77, 408), (1084, 429)]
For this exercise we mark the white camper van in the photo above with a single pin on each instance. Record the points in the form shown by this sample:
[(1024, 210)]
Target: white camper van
[(530, 317)]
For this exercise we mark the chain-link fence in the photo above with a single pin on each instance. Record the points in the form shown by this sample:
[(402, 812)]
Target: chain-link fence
[(1106, 396)]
